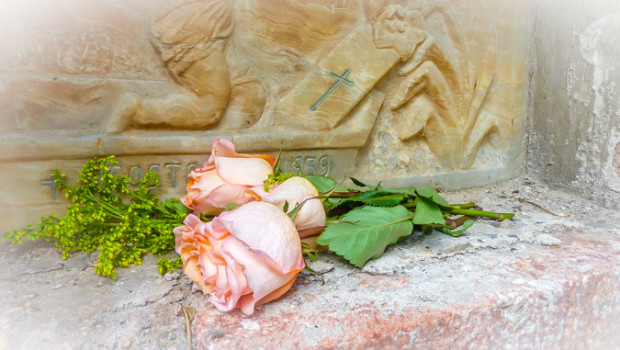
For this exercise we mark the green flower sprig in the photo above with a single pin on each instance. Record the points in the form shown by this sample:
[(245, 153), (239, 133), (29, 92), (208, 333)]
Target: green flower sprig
[(106, 216)]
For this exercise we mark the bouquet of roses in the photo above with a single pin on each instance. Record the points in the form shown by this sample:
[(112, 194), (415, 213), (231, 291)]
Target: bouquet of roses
[(246, 224), (252, 252)]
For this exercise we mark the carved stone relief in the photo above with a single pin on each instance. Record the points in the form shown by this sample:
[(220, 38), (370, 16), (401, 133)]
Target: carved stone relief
[(272, 64), (389, 89)]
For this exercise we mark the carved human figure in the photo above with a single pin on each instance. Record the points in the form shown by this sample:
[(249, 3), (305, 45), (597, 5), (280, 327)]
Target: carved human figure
[(237, 62), (314, 65), (191, 40)]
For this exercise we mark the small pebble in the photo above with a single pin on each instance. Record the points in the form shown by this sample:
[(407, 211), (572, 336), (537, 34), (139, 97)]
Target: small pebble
[(547, 240), (320, 266)]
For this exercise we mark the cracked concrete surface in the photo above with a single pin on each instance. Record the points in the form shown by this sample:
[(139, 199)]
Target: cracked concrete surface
[(540, 281)]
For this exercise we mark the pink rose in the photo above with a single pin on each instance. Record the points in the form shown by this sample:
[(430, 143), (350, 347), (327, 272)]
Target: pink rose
[(294, 191), (226, 178), (243, 258)]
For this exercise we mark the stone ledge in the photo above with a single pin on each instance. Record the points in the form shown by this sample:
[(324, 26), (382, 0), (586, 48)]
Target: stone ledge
[(527, 297), (502, 285)]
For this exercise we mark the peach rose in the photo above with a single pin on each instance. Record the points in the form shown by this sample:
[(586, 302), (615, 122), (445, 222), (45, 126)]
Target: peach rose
[(226, 178), (243, 258), (294, 191)]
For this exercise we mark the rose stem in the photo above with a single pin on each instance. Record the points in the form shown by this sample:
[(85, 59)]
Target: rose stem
[(487, 214)]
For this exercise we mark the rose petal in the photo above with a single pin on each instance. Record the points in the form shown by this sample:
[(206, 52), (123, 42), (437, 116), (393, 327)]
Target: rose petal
[(292, 190), (262, 226), (263, 276), (225, 148), (189, 242), (244, 171), (204, 180), (232, 282), (246, 304), (311, 214), (260, 191), (221, 197), (278, 292)]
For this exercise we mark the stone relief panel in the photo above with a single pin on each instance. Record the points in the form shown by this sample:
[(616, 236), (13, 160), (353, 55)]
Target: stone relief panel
[(382, 90), (444, 87)]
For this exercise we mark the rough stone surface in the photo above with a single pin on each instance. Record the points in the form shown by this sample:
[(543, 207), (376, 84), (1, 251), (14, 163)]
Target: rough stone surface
[(501, 285), (435, 91), (575, 117)]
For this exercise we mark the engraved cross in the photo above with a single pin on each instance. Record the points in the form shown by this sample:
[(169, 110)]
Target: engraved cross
[(339, 80), (52, 185)]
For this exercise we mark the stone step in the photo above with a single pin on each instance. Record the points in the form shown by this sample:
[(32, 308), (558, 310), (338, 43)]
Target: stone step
[(526, 296), (538, 282)]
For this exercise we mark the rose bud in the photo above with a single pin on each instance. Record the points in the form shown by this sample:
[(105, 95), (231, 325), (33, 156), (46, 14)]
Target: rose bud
[(294, 191)]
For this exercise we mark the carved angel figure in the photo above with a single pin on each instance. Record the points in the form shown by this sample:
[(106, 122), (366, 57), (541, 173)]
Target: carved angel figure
[(236, 62)]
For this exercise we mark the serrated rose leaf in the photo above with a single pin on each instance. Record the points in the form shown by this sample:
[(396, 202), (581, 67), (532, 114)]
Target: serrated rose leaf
[(324, 183), (357, 182), (364, 233), (432, 194), (378, 198), (427, 212), (439, 200), (409, 191)]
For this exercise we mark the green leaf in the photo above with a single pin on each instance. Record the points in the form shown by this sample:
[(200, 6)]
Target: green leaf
[(467, 224), (357, 182), (277, 167), (439, 200), (293, 213), (174, 205), (427, 212), (426, 192), (432, 194), (409, 191), (377, 198), (322, 183), (364, 233)]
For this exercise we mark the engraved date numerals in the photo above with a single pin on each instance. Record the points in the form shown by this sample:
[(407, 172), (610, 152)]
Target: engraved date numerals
[(309, 165)]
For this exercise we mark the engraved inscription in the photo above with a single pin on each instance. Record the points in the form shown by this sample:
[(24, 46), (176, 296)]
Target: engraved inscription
[(53, 187), (173, 173), (136, 173), (324, 165), (169, 173), (308, 165), (114, 169), (190, 167)]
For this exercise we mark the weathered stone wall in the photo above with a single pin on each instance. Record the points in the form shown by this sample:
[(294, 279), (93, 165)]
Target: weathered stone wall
[(575, 125), (408, 92)]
